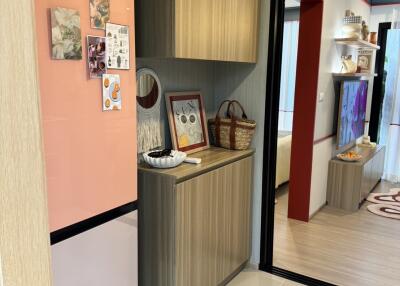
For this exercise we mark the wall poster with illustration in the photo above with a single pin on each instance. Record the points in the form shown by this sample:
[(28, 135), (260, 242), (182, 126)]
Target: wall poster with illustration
[(99, 13), (66, 41), (117, 46)]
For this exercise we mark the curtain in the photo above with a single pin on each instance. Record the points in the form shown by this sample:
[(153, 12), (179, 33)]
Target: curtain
[(389, 134), (288, 75)]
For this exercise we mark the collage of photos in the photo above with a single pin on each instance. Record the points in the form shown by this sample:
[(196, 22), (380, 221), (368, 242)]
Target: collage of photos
[(110, 51)]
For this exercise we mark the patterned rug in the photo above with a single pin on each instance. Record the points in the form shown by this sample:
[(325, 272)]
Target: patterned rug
[(388, 211), (385, 204), (390, 198)]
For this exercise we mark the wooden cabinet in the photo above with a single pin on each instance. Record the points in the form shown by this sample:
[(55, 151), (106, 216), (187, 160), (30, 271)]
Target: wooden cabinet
[(194, 221), (349, 183), (223, 30)]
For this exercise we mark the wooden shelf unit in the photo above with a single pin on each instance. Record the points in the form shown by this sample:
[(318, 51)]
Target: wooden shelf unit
[(357, 43), (353, 75), (195, 220), (349, 183)]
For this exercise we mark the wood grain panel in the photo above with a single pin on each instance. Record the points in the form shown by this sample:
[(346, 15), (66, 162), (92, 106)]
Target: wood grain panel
[(349, 183), (154, 22), (156, 230), (225, 30), (213, 224), (24, 243), (211, 159)]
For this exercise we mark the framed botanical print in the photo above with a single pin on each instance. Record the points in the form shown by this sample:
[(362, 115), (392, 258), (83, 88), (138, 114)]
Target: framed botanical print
[(187, 121)]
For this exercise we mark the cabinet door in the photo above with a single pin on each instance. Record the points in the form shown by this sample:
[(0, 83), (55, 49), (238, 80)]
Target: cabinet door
[(213, 224), (225, 30), (366, 183)]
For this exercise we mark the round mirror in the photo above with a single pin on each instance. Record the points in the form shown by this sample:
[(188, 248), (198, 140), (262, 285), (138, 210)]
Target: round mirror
[(148, 88)]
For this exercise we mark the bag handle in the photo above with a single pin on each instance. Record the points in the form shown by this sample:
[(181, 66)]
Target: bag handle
[(218, 124), (232, 104), (220, 107)]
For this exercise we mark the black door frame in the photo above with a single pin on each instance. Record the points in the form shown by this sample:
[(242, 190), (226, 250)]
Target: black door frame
[(377, 92), (277, 13)]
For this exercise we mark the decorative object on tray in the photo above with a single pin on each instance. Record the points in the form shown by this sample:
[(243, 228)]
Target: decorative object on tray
[(117, 47), (66, 41), (232, 132), (164, 159), (373, 38), (187, 121), (99, 13), (366, 142), (350, 156), (96, 56), (111, 92), (148, 103), (348, 66), (364, 60), (364, 31), (352, 25)]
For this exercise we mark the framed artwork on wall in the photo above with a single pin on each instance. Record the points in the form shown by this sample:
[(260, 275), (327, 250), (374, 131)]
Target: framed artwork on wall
[(111, 92), (96, 56), (117, 46), (99, 13), (187, 121), (66, 43)]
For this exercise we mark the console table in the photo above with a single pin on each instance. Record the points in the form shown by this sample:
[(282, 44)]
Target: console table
[(349, 183), (194, 220)]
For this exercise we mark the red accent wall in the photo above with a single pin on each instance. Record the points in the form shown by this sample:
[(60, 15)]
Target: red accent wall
[(304, 108)]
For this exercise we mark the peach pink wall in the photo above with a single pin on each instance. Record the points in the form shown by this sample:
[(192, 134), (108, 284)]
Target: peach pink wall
[(90, 154)]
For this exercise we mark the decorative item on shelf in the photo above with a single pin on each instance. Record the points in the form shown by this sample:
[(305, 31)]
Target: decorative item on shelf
[(187, 121), (111, 92), (348, 66), (164, 159), (373, 38), (232, 132), (364, 31), (99, 13), (351, 25), (350, 156), (148, 107), (66, 41), (96, 56), (364, 60), (117, 46)]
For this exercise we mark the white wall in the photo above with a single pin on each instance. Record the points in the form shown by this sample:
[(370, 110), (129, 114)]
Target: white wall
[(381, 14), (325, 112), (247, 83), (103, 256)]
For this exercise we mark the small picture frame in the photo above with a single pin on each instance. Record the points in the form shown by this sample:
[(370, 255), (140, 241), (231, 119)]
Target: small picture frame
[(364, 61), (187, 121)]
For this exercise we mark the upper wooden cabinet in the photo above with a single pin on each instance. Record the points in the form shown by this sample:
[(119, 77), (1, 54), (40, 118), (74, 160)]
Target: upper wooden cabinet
[(221, 30)]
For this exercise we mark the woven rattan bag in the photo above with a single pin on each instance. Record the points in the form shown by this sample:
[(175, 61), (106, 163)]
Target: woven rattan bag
[(232, 132)]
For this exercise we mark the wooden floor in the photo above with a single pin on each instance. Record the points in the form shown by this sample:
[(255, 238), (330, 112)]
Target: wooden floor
[(339, 247)]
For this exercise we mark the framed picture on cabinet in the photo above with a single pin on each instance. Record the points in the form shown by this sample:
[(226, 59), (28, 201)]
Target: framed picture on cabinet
[(187, 121)]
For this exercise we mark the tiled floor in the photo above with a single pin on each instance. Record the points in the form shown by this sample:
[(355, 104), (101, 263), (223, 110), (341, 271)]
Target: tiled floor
[(259, 278)]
